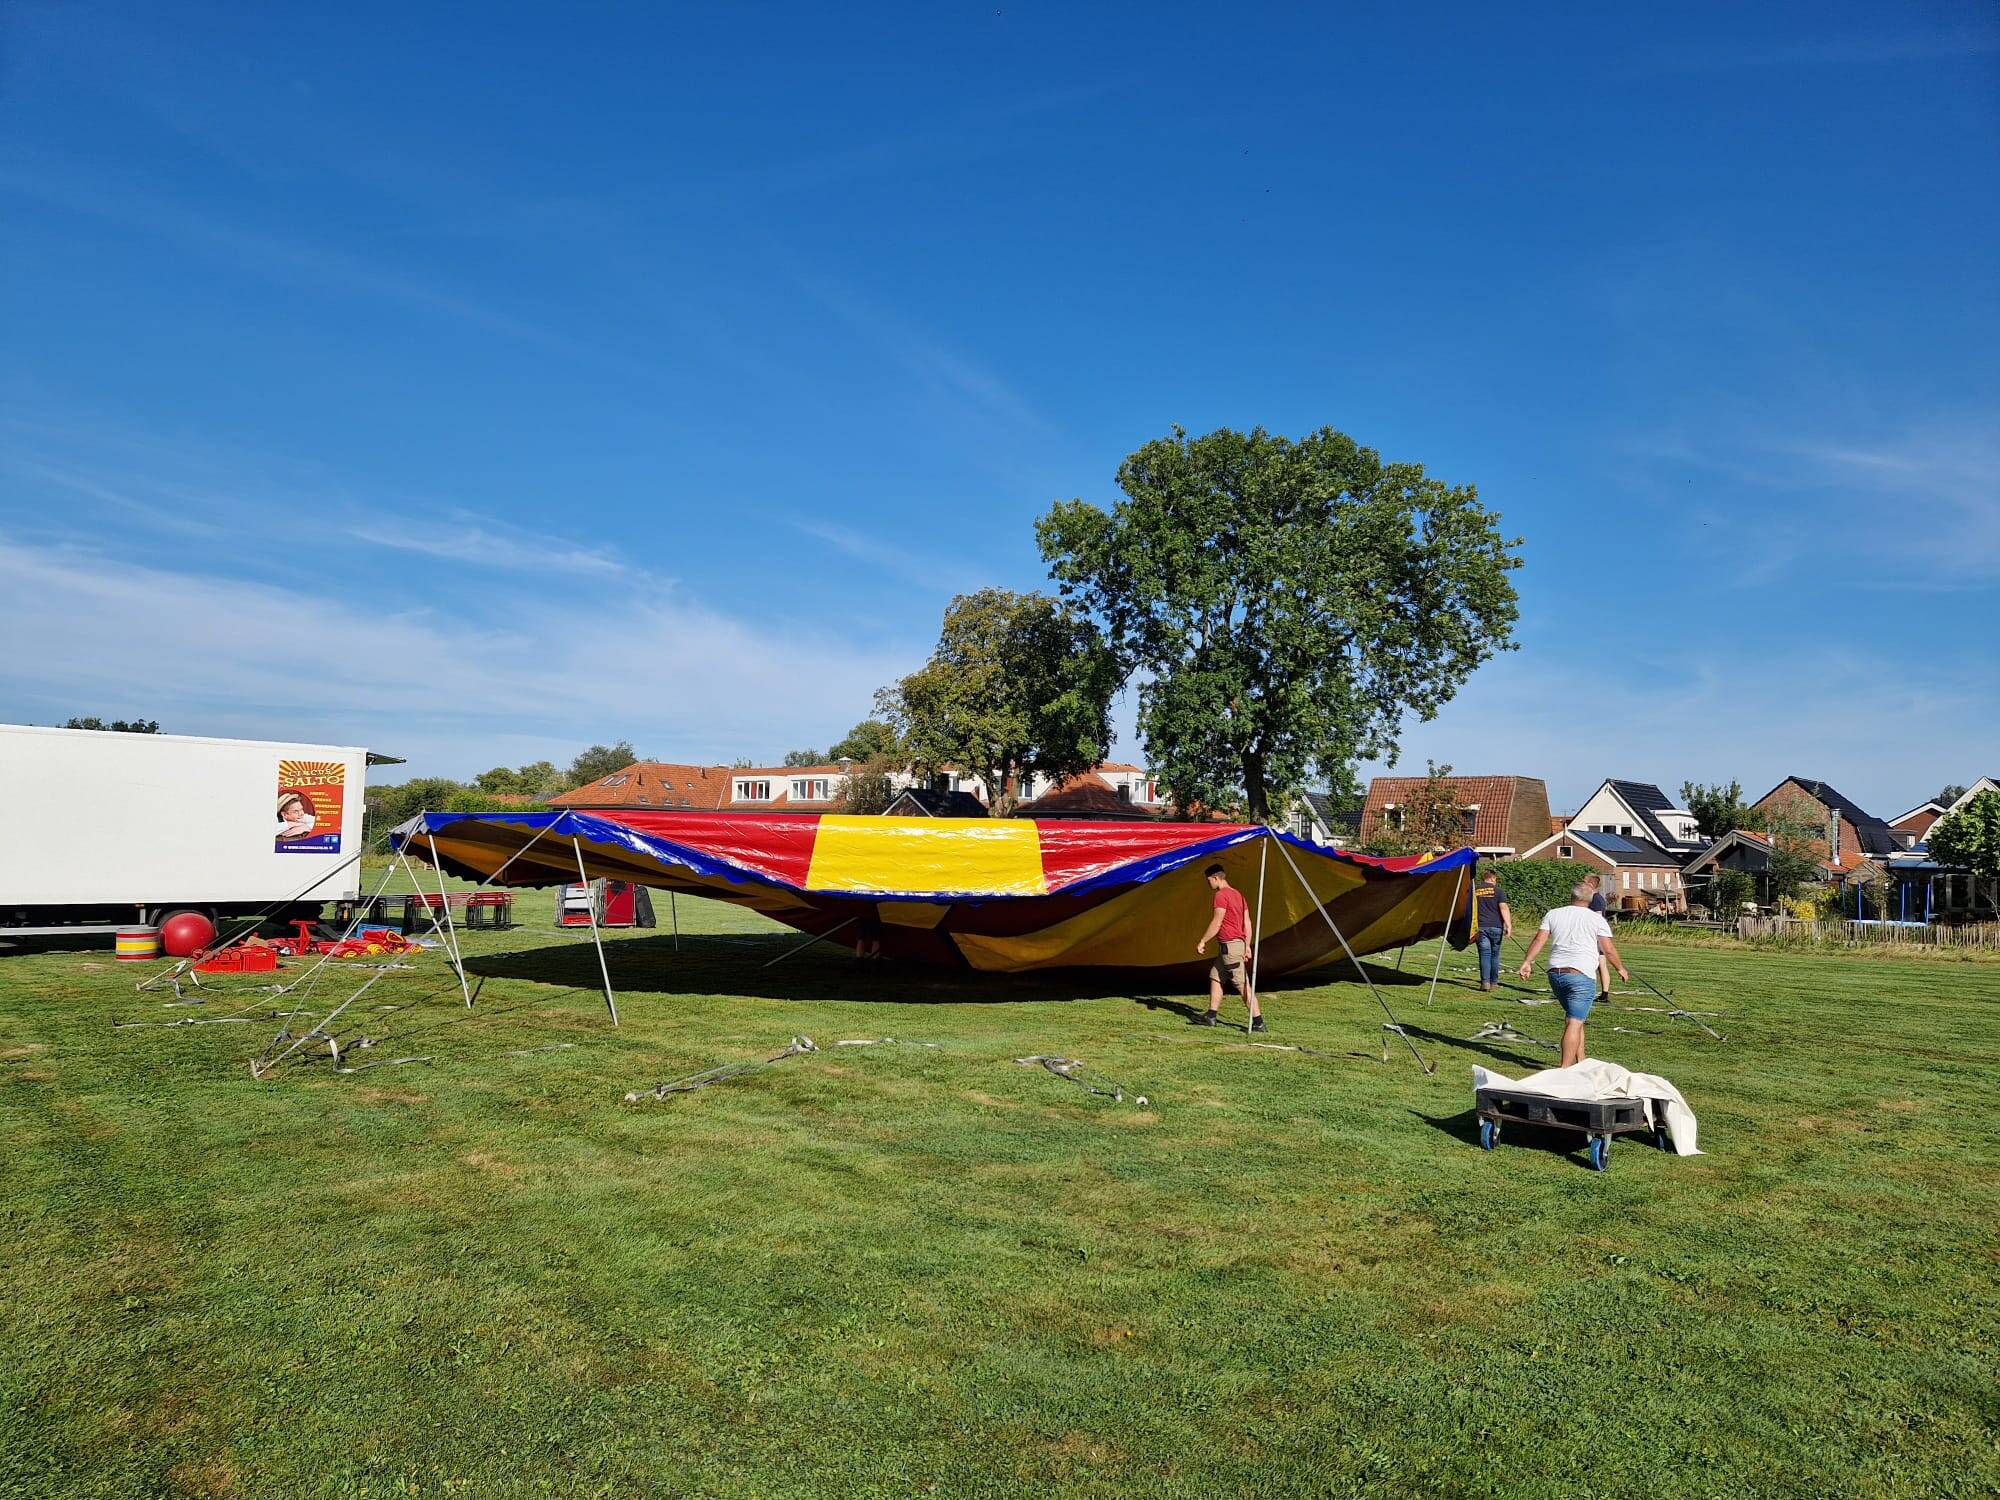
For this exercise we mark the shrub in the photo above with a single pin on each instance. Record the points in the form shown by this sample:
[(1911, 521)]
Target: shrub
[(1534, 886)]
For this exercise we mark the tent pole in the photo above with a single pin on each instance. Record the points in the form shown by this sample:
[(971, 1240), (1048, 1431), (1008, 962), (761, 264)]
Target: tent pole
[(1394, 1025), (1257, 919), (451, 927), (815, 938), (1445, 936), (673, 908), (449, 952), (590, 905)]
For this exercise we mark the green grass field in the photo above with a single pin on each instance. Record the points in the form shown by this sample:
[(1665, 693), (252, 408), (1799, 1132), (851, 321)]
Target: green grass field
[(898, 1270)]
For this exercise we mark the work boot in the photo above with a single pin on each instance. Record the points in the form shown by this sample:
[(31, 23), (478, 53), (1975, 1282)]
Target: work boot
[(1206, 1018), (1257, 1024)]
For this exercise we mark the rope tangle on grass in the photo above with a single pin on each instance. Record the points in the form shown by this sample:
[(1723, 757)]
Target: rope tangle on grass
[(1082, 1076), (800, 1045)]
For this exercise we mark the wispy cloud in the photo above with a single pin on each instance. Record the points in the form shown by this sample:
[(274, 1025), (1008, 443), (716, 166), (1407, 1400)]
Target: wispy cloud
[(926, 572), (483, 542), (672, 674)]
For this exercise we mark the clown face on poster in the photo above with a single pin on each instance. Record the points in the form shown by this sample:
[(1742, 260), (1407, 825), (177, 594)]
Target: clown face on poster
[(311, 797)]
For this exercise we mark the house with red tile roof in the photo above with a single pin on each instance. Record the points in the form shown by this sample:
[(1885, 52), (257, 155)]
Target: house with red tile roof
[(685, 788), (1503, 814)]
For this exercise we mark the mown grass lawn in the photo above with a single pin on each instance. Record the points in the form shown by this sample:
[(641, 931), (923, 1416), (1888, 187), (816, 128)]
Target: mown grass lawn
[(898, 1270)]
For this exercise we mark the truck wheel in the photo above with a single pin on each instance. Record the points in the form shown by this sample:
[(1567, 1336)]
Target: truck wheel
[(184, 932)]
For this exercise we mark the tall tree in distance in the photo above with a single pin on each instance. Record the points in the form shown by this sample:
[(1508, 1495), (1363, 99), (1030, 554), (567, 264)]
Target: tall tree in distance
[(867, 740), (1717, 809), (804, 758), (116, 726), (1948, 794), (1017, 685), (1288, 602), (601, 760)]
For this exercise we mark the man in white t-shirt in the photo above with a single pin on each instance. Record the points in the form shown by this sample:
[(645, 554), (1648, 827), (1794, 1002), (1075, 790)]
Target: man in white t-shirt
[(1576, 937)]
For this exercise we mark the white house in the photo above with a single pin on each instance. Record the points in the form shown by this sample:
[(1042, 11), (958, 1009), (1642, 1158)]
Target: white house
[(1638, 809)]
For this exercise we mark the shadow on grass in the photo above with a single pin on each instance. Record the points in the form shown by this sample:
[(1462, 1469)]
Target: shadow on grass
[(1497, 1051), (1464, 1128), (742, 964)]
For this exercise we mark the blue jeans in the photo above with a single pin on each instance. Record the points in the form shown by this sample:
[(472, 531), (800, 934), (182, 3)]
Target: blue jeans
[(1488, 940), (1575, 992)]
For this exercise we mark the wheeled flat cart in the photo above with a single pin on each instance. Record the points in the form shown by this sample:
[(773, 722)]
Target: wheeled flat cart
[(1597, 1120)]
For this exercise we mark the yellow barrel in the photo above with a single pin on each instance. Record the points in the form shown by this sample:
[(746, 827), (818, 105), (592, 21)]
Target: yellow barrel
[(138, 945)]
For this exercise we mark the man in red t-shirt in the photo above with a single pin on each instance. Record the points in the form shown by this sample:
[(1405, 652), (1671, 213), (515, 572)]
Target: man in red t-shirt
[(1231, 924)]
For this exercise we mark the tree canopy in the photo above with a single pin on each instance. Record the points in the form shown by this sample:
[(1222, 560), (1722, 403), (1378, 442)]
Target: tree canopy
[(866, 740), (601, 760), (539, 780), (1970, 838), (117, 726), (1286, 602), (1429, 817), (1017, 685), (1948, 794), (1717, 809), (804, 758)]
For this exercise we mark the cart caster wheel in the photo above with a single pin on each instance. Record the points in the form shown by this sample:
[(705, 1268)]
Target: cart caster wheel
[(1600, 1152), (1489, 1134)]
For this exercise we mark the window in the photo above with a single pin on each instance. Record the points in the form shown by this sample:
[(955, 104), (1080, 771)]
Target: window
[(1565, 851), (752, 791), (1625, 829), (615, 780), (810, 788), (1471, 818), (1624, 880)]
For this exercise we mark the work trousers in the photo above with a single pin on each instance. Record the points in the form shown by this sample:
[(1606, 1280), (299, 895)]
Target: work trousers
[(1488, 941)]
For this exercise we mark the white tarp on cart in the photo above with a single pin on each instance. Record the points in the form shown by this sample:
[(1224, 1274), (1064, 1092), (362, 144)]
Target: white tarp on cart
[(1594, 1079)]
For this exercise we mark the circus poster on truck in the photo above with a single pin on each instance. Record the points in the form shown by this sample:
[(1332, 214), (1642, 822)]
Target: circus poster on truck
[(312, 794)]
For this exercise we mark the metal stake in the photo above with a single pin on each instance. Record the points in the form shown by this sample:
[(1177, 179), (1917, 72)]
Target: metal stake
[(590, 905)]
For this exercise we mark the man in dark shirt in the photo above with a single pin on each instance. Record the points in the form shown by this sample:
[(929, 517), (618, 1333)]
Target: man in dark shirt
[(1493, 924), (1231, 925)]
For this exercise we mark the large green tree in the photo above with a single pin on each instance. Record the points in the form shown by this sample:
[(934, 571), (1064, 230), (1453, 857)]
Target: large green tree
[(1017, 685), (1970, 840), (1286, 603), (539, 779), (1717, 809)]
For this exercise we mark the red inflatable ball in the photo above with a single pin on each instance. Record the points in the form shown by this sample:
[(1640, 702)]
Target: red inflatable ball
[(185, 933)]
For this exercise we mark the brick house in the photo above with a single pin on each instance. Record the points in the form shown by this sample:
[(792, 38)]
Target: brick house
[(1503, 814), (1848, 834), (1915, 825), (1638, 874)]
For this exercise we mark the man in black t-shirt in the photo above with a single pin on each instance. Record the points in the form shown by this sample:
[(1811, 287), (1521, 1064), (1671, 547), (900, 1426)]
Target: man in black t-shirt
[(1492, 924)]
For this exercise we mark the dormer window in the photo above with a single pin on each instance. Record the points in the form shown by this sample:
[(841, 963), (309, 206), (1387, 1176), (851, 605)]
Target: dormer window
[(811, 788), (752, 790)]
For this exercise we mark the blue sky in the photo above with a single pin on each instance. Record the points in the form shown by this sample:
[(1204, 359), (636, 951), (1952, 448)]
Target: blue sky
[(478, 383)]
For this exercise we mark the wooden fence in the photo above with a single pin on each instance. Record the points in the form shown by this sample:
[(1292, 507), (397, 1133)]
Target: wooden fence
[(1788, 929)]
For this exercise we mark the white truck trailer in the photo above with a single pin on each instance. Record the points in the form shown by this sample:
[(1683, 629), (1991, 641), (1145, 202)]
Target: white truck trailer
[(100, 829)]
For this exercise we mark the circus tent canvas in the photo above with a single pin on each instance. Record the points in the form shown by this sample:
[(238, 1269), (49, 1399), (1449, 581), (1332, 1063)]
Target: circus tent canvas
[(1002, 894)]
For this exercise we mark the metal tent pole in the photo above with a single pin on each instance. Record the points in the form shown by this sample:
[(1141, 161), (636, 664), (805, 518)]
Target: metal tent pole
[(464, 988), (1394, 1025), (1445, 936), (590, 905), (674, 910), (1257, 920), (451, 928), (815, 938)]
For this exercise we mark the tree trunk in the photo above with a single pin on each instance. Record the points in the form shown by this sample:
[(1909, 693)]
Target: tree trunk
[(1254, 789)]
